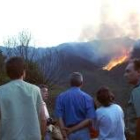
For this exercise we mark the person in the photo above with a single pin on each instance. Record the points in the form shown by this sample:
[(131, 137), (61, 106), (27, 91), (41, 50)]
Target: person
[(21, 111), (132, 74), (110, 117), (74, 106), (53, 131), (44, 94)]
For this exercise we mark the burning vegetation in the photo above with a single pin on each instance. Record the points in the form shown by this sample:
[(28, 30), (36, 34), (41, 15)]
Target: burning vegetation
[(119, 59)]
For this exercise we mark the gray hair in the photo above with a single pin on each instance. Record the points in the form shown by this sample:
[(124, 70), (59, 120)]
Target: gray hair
[(76, 79)]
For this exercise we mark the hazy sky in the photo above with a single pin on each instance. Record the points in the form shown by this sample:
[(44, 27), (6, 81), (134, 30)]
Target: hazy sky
[(52, 22)]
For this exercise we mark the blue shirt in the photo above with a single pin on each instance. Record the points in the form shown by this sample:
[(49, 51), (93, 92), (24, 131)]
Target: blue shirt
[(74, 106)]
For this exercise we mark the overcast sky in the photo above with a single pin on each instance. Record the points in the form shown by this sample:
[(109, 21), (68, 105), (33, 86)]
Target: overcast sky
[(52, 22)]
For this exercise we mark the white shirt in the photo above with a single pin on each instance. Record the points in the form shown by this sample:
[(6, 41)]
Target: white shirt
[(50, 127), (110, 123), (46, 110)]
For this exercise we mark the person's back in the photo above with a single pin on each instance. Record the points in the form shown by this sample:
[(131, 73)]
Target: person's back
[(21, 110), (110, 117), (18, 103), (110, 122), (76, 105)]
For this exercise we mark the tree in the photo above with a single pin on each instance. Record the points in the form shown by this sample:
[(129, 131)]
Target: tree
[(44, 68), (20, 46), (34, 74), (50, 65), (3, 77)]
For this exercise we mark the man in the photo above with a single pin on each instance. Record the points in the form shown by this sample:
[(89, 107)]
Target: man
[(132, 74), (74, 106), (22, 114)]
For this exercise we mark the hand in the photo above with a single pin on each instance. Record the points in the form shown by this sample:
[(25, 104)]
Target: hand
[(64, 134), (68, 130)]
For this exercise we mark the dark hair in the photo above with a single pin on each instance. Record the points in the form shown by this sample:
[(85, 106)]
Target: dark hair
[(76, 79), (15, 67), (42, 86), (105, 96), (136, 63)]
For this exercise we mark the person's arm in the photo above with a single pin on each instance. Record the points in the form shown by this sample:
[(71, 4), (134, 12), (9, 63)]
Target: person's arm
[(62, 128), (90, 110), (138, 129), (85, 123), (41, 113), (43, 121), (90, 116), (136, 102), (59, 115)]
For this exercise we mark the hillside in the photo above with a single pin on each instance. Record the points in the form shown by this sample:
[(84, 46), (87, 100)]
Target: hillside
[(91, 68), (88, 58)]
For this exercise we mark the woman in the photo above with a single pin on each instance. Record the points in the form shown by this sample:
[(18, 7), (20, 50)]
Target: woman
[(110, 117), (44, 94), (53, 131)]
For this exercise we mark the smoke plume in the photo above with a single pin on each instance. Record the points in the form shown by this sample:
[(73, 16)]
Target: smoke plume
[(116, 35)]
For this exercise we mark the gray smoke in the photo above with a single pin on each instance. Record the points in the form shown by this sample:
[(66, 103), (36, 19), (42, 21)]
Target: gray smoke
[(115, 37)]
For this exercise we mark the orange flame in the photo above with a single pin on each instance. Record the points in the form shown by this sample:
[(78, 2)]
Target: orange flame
[(118, 60)]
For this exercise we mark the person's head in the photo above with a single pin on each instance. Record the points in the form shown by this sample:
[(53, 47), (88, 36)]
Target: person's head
[(76, 79), (44, 92), (132, 72), (105, 96), (15, 68)]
